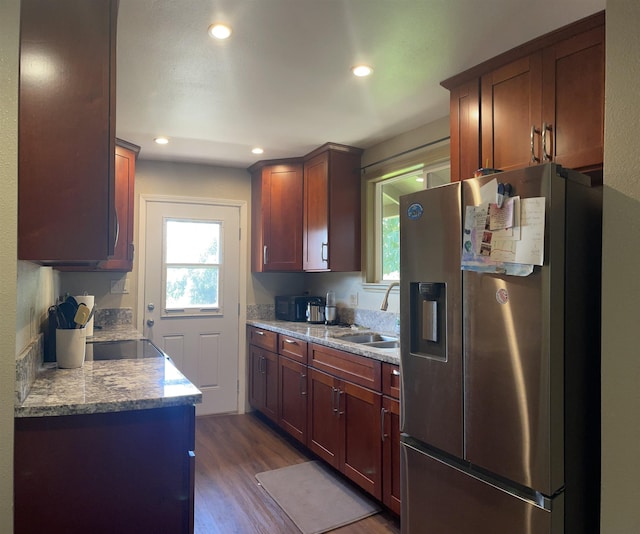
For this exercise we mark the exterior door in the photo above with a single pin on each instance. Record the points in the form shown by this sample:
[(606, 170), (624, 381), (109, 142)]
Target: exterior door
[(191, 292)]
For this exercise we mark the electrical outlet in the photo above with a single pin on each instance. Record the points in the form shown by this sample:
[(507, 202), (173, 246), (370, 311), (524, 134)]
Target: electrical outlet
[(120, 286), (353, 300)]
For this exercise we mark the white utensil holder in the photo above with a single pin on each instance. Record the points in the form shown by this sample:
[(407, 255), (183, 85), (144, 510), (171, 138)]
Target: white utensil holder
[(70, 347)]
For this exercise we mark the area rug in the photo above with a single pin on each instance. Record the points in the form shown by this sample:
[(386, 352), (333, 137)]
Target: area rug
[(314, 498)]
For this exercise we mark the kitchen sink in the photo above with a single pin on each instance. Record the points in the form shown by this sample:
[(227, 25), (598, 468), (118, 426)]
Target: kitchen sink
[(372, 340), (383, 344), (367, 338)]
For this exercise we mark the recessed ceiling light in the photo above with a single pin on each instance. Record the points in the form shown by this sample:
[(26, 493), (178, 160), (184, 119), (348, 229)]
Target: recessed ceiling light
[(219, 31), (161, 140), (361, 70), (257, 150)]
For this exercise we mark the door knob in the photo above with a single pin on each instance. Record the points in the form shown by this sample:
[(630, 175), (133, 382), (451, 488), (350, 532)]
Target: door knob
[(151, 306), (150, 322)]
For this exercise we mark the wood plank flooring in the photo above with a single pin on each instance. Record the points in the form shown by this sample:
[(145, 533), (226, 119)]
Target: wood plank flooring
[(230, 450)]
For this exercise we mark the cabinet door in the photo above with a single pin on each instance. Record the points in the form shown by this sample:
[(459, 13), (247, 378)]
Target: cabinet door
[(256, 378), (270, 369), (573, 101), (277, 218), (391, 453), (511, 114), (359, 410), (263, 383), (293, 398), (316, 213), (122, 259), (66, 119), (324, 436), (465, 130)]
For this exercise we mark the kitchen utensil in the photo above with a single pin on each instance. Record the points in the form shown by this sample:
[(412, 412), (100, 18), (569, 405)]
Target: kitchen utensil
[(82, 315), (66, 313)]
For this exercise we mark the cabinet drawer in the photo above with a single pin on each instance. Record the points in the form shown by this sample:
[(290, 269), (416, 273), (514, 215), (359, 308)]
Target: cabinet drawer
[(391, 380), (357, 369), (293, 348), (263, 338)]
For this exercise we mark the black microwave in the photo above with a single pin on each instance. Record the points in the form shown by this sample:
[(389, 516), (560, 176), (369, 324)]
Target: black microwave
[(294, 308)]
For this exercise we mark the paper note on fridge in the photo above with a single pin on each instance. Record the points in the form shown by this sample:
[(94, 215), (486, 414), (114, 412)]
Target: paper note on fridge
[(530, 247)]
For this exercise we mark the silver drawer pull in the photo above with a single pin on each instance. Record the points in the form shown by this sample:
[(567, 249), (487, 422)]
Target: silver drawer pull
[(395, 372), (290, 341)]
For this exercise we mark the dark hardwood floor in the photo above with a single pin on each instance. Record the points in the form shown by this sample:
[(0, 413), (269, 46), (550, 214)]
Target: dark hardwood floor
[(230, 450)]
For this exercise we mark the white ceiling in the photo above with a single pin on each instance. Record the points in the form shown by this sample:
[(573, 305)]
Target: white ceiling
[(283, 82)]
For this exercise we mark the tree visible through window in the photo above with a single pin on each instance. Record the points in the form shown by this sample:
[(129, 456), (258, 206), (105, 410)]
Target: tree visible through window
[(389, 190), (192, 264)]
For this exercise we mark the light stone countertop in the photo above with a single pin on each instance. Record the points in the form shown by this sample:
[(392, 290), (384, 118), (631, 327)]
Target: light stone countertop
[(108, 385), (330, 337)]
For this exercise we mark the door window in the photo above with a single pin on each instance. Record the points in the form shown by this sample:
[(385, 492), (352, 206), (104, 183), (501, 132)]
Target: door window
[(192, 267)]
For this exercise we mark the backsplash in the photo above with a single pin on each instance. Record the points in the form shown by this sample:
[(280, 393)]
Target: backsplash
[(113, 317), (380, 321)]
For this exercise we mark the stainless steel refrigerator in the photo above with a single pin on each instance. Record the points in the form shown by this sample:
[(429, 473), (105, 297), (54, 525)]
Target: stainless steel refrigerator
[(500, 361)]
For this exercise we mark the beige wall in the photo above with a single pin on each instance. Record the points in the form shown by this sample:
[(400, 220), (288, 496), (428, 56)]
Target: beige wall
[(161, 178), (9, 17), (621, 274)]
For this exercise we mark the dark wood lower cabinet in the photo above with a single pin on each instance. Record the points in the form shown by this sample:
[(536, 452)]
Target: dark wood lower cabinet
[(104, 473), (263, 384), (292, 377), (391, 453), (345, 429)]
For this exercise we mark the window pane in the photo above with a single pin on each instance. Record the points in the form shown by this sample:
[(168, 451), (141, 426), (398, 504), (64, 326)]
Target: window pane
[(189, 287), (390, 231), (192, 242)]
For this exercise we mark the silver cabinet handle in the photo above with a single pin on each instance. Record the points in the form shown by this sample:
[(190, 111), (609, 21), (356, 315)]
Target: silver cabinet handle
[(259, 332), (534, 158), (395, 372), (324, 248), (383, 434), (264, 255), (545, 128), (340, 393), (333, 400), (290, 341)]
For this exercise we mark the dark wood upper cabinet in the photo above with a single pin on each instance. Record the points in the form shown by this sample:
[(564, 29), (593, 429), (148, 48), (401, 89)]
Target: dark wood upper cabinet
[(331, 215), (511, 105), (276, 216), (122, 259), (542, 101), (305, 212), (66, 185)]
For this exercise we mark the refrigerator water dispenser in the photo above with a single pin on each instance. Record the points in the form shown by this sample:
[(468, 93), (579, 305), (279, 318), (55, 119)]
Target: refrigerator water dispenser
[(428, 319)]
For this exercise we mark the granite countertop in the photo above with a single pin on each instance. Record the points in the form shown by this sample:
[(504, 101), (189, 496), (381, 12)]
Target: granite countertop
[(330, 337), (121, 332), (108, 385)]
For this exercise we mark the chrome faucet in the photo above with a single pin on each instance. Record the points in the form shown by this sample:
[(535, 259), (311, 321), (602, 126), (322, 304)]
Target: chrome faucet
[(385, 301)]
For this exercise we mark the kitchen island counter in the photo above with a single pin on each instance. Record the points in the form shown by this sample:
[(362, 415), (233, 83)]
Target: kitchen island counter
[(329, 336), (108, 386)]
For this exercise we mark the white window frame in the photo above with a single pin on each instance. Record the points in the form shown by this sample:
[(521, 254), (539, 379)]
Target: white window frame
[(196, 310), (373, 272)]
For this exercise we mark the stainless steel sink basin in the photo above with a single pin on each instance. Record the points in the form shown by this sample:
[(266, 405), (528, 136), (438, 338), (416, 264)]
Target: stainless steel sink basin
[(383, 344), (372, 339)]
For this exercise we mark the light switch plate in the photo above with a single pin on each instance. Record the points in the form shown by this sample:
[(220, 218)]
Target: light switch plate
[(120, 286)]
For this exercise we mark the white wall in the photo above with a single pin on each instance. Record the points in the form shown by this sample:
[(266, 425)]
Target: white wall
[(621, 274), (9, 18)]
